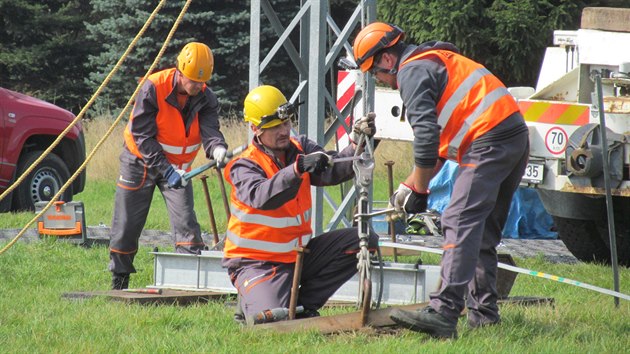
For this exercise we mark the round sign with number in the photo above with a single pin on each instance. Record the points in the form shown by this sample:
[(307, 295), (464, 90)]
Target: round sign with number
[(556, 140)]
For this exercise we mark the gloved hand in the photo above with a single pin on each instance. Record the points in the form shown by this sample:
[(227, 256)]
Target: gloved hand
[(316, 162), (174, 178), (219, 155), (364, 125), (406, 200)]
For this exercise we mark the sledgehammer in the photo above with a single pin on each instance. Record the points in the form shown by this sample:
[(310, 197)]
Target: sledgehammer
[(144, 291), (196, 171)]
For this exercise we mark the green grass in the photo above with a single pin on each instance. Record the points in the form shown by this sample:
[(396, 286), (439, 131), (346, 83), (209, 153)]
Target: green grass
[(34, 317)]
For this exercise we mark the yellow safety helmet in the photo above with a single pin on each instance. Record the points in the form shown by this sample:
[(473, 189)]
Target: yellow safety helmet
[(196, 62), (372, 39), (266, 107)]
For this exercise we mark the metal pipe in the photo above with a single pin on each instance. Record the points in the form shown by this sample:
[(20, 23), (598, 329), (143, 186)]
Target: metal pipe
[(226, 203), (609, 202), (213, 224), (392, 223)]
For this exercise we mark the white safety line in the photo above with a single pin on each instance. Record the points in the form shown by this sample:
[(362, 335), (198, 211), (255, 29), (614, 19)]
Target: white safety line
[(517, 270)]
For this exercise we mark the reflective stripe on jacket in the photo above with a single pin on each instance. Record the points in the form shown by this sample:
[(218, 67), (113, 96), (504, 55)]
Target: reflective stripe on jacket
[(268, 235), (473, 102), (179, 147)]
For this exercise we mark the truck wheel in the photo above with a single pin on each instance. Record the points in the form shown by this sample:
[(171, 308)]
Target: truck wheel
[(622, 230), (582, 239), (42, 183)]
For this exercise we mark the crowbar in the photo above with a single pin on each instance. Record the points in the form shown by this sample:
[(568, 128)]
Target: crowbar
[(196, 171)]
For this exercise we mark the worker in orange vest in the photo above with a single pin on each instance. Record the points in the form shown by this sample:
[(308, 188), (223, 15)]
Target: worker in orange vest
[(175, 113), (271, 213), (459, 111)]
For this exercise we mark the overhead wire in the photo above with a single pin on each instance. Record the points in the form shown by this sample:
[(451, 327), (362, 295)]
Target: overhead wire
[(90, 102)]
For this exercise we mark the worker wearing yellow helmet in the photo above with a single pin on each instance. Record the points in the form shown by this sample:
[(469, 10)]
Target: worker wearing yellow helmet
[(271, 212), (174, 115), (458, 111)]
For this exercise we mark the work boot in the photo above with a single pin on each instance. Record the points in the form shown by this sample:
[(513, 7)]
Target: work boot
[(478, 319), (239, 315), (307, 313), (120, 281), (427, 321), (476, 323)]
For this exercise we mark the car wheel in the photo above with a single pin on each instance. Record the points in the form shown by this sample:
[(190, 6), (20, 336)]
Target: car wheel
[(42, 183)]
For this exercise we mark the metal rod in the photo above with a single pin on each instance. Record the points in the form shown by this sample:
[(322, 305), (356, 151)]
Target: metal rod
[(213, 223), (609, 201), (226, 203), (392, 223)]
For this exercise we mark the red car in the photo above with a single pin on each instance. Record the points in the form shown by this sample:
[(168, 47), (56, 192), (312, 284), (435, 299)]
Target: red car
[(28, 127)]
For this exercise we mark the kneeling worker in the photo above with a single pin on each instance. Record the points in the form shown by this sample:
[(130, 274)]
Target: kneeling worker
[(271, 208)]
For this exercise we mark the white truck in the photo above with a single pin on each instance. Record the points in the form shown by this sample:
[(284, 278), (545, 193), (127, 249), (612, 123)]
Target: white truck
[(566, 161), (562, 113)]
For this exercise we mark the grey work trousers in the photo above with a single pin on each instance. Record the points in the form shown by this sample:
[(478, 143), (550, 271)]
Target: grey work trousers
[(134, 193), (331, 261), (472, 224)]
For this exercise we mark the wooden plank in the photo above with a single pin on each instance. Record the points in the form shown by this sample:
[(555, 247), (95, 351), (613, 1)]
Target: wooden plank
[(376, 319), (606, 19), (174, 297), (336, 323)]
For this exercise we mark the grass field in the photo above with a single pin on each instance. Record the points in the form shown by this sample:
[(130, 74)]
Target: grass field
[(34, 318)]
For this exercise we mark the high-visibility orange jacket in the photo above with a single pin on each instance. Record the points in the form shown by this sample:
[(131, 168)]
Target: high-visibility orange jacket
[(268, 235), (473, 102), (179, 146)]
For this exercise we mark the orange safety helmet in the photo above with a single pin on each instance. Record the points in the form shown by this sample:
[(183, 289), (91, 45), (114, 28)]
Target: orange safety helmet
[(196, 61), (372, 39)]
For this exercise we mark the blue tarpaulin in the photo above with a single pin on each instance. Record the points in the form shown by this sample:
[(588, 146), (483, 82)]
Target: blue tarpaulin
[(527, 217)]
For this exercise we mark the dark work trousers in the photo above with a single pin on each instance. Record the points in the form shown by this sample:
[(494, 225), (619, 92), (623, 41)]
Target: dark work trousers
[(331, 261), (472, 224), (134, 193)]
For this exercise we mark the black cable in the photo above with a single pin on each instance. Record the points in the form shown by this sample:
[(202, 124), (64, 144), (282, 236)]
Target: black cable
[(382, 277)]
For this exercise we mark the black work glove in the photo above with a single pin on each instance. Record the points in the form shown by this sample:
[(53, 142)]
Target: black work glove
[(316, 162), (174, 178), (408, 200), (416, 203)]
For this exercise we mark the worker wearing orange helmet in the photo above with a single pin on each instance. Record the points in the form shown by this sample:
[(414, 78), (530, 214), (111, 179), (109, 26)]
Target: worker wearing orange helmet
[(271, 212), (458, 111), (175, 113)]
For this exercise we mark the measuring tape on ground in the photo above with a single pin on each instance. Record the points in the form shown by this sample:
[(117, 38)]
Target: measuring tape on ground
[(518, 270)]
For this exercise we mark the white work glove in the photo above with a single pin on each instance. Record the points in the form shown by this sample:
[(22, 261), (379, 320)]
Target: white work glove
[(219, 155), (364, 125), (397, 201)]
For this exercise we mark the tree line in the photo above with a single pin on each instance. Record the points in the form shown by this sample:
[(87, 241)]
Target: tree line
[(61, 51)]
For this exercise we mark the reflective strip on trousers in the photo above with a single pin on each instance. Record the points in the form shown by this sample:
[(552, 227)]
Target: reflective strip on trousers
[(267, 246), (270, 221)]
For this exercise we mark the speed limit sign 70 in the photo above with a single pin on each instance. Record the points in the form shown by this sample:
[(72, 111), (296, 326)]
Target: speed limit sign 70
[(556, 140)]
